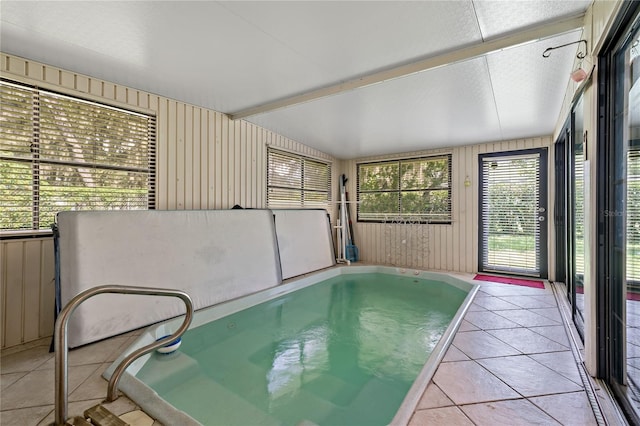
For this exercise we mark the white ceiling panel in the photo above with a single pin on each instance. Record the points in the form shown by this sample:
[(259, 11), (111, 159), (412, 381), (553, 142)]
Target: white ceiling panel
[(497, 17), (447, 106), (526, 85), (230, 56), (349, 38), (180, 49)]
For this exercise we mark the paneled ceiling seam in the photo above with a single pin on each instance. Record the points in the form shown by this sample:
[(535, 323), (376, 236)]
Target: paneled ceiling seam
[(272, 36), (493, 95), (475, 50), (475, 13)]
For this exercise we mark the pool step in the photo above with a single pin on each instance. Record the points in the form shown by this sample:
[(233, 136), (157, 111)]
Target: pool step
[(97, 415), (77, 421)]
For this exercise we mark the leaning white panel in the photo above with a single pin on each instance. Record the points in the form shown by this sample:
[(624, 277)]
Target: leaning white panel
[(213, 255), (304, 241)]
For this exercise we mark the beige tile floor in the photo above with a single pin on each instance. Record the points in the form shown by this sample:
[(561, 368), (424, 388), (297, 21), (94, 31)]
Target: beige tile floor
[(510, 363)]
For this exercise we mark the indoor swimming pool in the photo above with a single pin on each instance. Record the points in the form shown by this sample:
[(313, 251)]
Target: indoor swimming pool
[(344, 346)]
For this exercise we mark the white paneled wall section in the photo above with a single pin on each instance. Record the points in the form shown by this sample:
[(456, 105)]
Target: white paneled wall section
[(452, 247), (204, 161), (27, 291)]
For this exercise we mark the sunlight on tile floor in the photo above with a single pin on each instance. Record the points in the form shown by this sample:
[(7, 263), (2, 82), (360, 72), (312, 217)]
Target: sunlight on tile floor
[(510, 363)]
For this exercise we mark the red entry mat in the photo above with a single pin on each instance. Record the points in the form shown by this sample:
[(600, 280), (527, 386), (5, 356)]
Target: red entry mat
[(509, 280), (630, 294)]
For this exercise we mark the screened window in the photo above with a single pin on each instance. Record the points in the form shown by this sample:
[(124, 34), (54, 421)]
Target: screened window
[(62, 153), (417, 189), (295, 181)]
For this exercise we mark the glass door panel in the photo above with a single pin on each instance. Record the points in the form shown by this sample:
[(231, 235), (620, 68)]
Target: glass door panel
[(621, 211), (513, 213), (576, 284)]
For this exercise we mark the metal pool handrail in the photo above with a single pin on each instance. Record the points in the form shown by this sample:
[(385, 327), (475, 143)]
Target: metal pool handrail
[(61, 343)]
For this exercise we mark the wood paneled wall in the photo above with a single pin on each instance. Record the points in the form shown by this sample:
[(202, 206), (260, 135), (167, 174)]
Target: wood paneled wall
[(451, 247), (27, 290), (204, 161)]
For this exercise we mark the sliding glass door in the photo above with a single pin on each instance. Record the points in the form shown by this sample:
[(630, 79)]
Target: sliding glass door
[(618, 200), (576, 211), (570, 211)]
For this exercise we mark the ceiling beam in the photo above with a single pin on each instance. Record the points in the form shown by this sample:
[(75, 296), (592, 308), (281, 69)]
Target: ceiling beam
[(473, 51)]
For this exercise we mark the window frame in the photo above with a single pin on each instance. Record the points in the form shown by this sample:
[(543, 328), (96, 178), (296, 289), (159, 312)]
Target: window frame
[(35, 160), (281, 203), (398, 216)]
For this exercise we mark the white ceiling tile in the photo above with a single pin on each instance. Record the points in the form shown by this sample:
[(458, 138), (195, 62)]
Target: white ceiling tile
[(349, 38), (527, 86), (447, 106), (498, 17)]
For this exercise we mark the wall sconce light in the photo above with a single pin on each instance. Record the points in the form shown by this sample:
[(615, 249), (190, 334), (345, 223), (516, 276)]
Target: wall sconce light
[(467, 181)]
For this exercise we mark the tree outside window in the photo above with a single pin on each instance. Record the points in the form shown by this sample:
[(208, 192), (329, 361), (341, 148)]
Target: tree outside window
[(417, 189)]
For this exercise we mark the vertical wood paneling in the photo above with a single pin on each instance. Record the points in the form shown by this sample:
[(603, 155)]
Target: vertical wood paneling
[(31, 291), (171, 178), (162, 156), (196, 176), (27, 290), (218, 181), (469, 201), (180, 156), (47, 288), (238, 182), (253, 168), (228, 163), (211, 164), (190, 175), (13, 287)]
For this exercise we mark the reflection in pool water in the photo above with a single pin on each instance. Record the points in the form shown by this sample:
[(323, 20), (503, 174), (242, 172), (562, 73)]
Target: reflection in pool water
[(343, 351)]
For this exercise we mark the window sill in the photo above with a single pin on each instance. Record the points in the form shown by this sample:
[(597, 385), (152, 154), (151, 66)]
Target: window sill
[(25, 234)]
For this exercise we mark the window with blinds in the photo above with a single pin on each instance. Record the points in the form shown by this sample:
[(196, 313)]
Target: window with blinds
[(633, 214), (295, 181), (416, 189), (578, 210), (62, 153)]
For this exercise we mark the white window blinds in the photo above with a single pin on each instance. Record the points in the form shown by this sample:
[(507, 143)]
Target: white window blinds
[(633, 215), (295, 181), (510, 195), (62, 153)]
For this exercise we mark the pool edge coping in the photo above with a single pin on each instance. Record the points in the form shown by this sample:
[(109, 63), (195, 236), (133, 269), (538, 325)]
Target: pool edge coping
[(422, 380)]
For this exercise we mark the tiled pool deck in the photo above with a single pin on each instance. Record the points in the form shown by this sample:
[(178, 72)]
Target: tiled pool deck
[(510, 364)]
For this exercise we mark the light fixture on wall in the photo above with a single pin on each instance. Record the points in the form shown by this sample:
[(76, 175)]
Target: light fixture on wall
[(467, 181), (578, 74)]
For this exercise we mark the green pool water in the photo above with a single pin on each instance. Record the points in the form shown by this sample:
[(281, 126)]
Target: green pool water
[(344, 351)]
